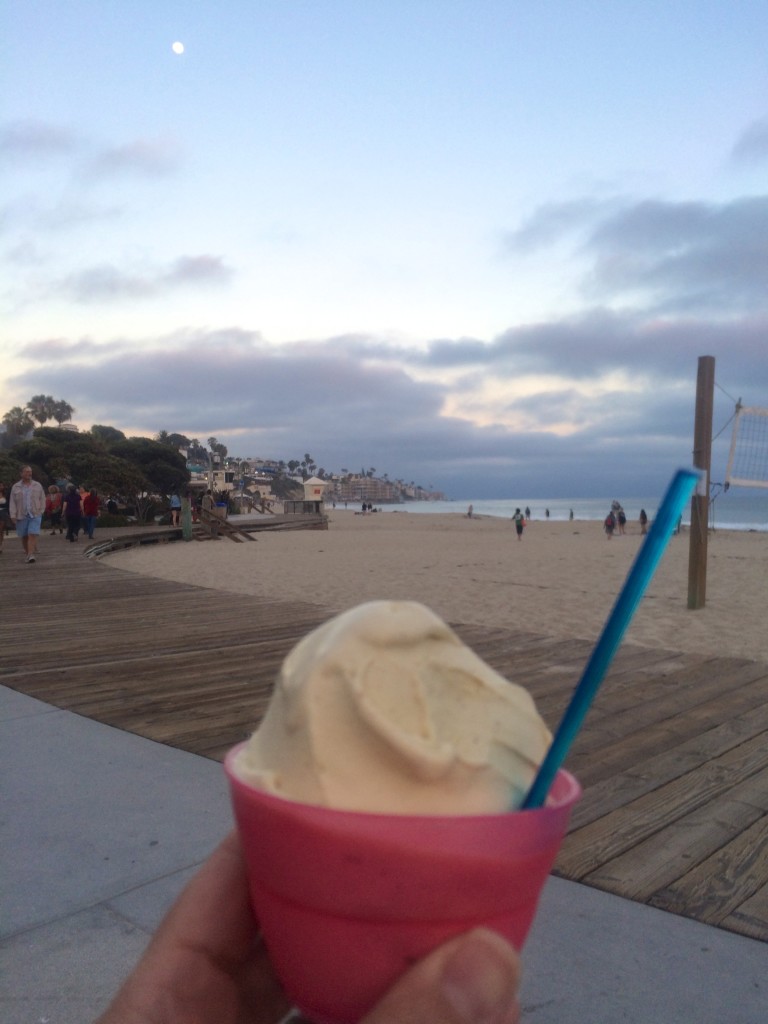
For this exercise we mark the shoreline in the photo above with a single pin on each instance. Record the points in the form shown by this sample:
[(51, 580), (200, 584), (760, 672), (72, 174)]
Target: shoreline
[(560, 580)]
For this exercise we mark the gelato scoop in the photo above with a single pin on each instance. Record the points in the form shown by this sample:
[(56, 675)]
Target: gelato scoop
[(383, 709)]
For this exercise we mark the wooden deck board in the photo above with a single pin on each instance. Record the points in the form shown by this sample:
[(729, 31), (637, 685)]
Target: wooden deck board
[(673, 757)]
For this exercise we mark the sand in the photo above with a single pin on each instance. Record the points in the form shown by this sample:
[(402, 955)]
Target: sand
[(560, 580)]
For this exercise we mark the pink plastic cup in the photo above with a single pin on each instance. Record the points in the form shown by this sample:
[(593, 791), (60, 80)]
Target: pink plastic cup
[(348, 901)]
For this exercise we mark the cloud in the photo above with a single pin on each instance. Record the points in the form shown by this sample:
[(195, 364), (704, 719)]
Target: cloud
[(107, 283), (349, 408), (35, 140), (61, 349), (663, 256), (686, 256), (601, 342), (752, 144), (145, 157), (551, 221)]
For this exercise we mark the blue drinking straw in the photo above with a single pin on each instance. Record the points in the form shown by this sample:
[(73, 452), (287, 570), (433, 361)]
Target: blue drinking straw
[(678, 492)]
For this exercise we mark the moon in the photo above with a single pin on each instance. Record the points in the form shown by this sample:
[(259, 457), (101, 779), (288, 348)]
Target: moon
[(177, 47)]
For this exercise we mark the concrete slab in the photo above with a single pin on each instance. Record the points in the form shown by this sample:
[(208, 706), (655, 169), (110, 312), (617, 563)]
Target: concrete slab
[(67, 972), (103, 828), (94, 812), (595, 957), (19, 705)]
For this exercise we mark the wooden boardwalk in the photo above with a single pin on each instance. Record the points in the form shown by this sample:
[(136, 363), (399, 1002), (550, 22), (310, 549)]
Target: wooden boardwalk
[(673, 756)]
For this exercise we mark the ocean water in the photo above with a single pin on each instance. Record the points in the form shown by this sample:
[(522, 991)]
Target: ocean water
[(727, 511)]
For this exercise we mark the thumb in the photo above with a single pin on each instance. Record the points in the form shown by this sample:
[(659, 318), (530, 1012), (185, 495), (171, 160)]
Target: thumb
[(472, 979)]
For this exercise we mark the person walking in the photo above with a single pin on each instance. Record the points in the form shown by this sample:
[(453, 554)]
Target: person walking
[(175, 507), (27, 504), (73, 511), (5, 515), (610, 524), (53, 508), (519, 520), (643, 521), (90, 512)]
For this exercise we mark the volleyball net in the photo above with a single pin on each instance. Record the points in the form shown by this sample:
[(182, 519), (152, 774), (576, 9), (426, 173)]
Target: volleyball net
[(748, 458)]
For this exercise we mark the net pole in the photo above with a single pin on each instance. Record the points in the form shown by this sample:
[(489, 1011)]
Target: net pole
[(702, 459)]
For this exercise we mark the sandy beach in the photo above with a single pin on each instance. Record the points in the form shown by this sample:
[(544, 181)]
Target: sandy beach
[(560, 580)]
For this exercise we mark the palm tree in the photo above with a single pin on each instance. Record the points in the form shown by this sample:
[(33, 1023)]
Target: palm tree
[(41, 408), (18, 421), (62, 411)]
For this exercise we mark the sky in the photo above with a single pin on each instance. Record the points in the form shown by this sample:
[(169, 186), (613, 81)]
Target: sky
[(478, 244)]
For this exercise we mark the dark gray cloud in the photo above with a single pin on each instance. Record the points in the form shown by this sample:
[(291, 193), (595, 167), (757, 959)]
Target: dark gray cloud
[(601, 342), (663, 256), (107, 283), (752, 144), (350, 410), (691, 256)]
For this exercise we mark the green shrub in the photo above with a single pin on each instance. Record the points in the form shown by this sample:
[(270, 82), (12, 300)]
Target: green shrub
[(111, 521)]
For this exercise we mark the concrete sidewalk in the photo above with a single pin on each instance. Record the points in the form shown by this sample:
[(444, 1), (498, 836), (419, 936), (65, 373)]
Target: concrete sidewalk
[(101, 829)]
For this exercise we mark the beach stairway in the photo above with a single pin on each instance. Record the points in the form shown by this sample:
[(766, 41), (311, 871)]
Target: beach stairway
[(210, 526)]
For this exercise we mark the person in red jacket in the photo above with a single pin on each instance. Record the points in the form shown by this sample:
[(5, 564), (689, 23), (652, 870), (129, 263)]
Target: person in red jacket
[(90, 512)]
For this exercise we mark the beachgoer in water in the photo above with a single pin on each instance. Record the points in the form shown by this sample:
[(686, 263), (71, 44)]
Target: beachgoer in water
[(527, 512), (469, 512)]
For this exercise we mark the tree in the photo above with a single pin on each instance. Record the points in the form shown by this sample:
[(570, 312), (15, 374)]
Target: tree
[(162, 437), (164, 468), (41, 408), (62, 411), (196, 452), (18, 421), (109, 435), (216, 447), (179, 441)]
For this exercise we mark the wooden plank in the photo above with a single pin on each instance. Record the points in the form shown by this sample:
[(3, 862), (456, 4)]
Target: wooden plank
[(644, 776), (587, 848), (750, 918), (719, 885), (672, 734), (671, 853)]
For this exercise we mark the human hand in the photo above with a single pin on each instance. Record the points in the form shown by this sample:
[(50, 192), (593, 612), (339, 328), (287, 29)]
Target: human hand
[(207, 965)]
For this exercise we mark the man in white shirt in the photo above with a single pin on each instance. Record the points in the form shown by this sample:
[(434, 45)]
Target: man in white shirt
[(27, 504)]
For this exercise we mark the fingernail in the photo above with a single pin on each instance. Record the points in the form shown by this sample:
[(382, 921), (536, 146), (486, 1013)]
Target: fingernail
[(480, 980)]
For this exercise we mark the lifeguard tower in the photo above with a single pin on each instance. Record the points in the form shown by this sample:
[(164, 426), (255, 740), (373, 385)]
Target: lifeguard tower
[(314, 489)]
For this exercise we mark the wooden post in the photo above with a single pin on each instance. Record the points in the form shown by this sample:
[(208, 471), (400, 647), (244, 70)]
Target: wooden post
[(186, 518), (702, 459)]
